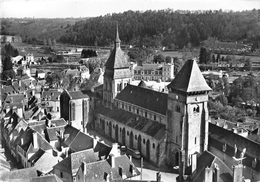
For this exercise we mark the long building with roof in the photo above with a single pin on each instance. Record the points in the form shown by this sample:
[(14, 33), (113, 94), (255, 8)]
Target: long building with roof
[(155, 123)]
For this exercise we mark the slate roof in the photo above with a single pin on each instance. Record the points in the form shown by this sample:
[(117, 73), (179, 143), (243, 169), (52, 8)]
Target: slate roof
[(145, 98), (72, 163), (52, 95), (189, 79), (219, 136), (117, 58), (78, 95), (21, 174), (45, 162), (96, 170), (207, 159), (144, 125), (50, 178), (81, 142), (102, 149), (69, 134), (142, 84), (52, 133)]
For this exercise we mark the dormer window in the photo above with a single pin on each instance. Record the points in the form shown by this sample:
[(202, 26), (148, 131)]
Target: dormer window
[(254, 162), (224, 147)]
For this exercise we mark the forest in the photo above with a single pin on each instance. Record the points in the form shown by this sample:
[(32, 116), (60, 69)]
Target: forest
[(173, 29)]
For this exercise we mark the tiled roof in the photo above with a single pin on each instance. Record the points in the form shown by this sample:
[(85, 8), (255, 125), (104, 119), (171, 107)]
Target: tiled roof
[(219, 136), (207, 159), (151, 128), (72, 163), (21, 174), (144, 98), (52, 95), (50, 178), (78, 95), (81, 142), (189, 79)]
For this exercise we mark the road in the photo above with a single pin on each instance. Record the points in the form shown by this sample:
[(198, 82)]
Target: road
[(149, 171)]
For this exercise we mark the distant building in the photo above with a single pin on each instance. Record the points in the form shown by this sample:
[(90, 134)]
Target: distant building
[(156, 72)]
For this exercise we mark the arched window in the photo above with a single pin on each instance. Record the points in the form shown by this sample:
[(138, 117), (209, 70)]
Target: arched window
[(196, 109)]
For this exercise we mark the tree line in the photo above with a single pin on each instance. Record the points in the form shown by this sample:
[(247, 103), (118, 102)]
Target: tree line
[(173, 29)]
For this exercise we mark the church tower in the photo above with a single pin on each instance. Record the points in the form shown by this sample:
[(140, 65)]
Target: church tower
[(117, 73), (187, 116)]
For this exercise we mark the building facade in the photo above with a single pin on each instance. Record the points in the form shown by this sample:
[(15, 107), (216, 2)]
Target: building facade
[(74, 107)]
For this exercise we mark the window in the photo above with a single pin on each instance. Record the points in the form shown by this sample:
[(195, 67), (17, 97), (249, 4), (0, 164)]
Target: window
[(127, 133), (130, 108), (122, 105), (153, 145), (178, 108), (136, 137), (195, 140), (176, 139), (137, 111), (118, 87), (154, 117), (145, 114), (58, 109), (143, 141), (120, 130), (196, 109), (61, 174)]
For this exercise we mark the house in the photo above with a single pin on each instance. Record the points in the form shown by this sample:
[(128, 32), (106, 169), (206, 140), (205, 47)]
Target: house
[(74, 107), (163, 72), (40, 74), (49, 178), (113, 168), (18, 175), (68, 167), (51, 102)]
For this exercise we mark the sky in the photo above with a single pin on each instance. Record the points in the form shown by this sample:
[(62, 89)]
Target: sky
[(92, 8)]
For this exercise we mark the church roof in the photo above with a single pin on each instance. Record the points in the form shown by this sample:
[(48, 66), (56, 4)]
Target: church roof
[(117, 58), (142, 84), (189, 79), (144, 98)]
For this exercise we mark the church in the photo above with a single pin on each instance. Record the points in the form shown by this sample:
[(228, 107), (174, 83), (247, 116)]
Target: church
[(157, 124)]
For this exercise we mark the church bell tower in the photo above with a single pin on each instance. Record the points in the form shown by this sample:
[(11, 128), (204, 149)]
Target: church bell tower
[(187, 116), (117, 73)]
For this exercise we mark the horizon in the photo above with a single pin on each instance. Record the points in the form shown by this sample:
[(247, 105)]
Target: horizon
[(51, 9)]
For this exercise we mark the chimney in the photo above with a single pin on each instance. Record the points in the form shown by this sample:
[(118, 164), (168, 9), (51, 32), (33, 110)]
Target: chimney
[(20, 83), (216, 173), (193, 162), (111, 160), (115, 151), (22, 141), (238, 173), (84, 169), (35, 140), (158, 177), (106, 177), (208, 175), (95, 141)]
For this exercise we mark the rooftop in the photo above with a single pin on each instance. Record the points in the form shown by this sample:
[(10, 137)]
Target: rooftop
[(189, 79)]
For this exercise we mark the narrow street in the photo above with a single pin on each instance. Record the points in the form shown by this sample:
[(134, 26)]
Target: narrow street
[(148, 171)]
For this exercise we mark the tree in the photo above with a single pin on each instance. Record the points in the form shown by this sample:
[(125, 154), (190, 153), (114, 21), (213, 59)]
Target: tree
[(204, 56), (177, 65), (159, 58), (49, 42), (218, 57), (213, 58), (168, 59), (248, 64)]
